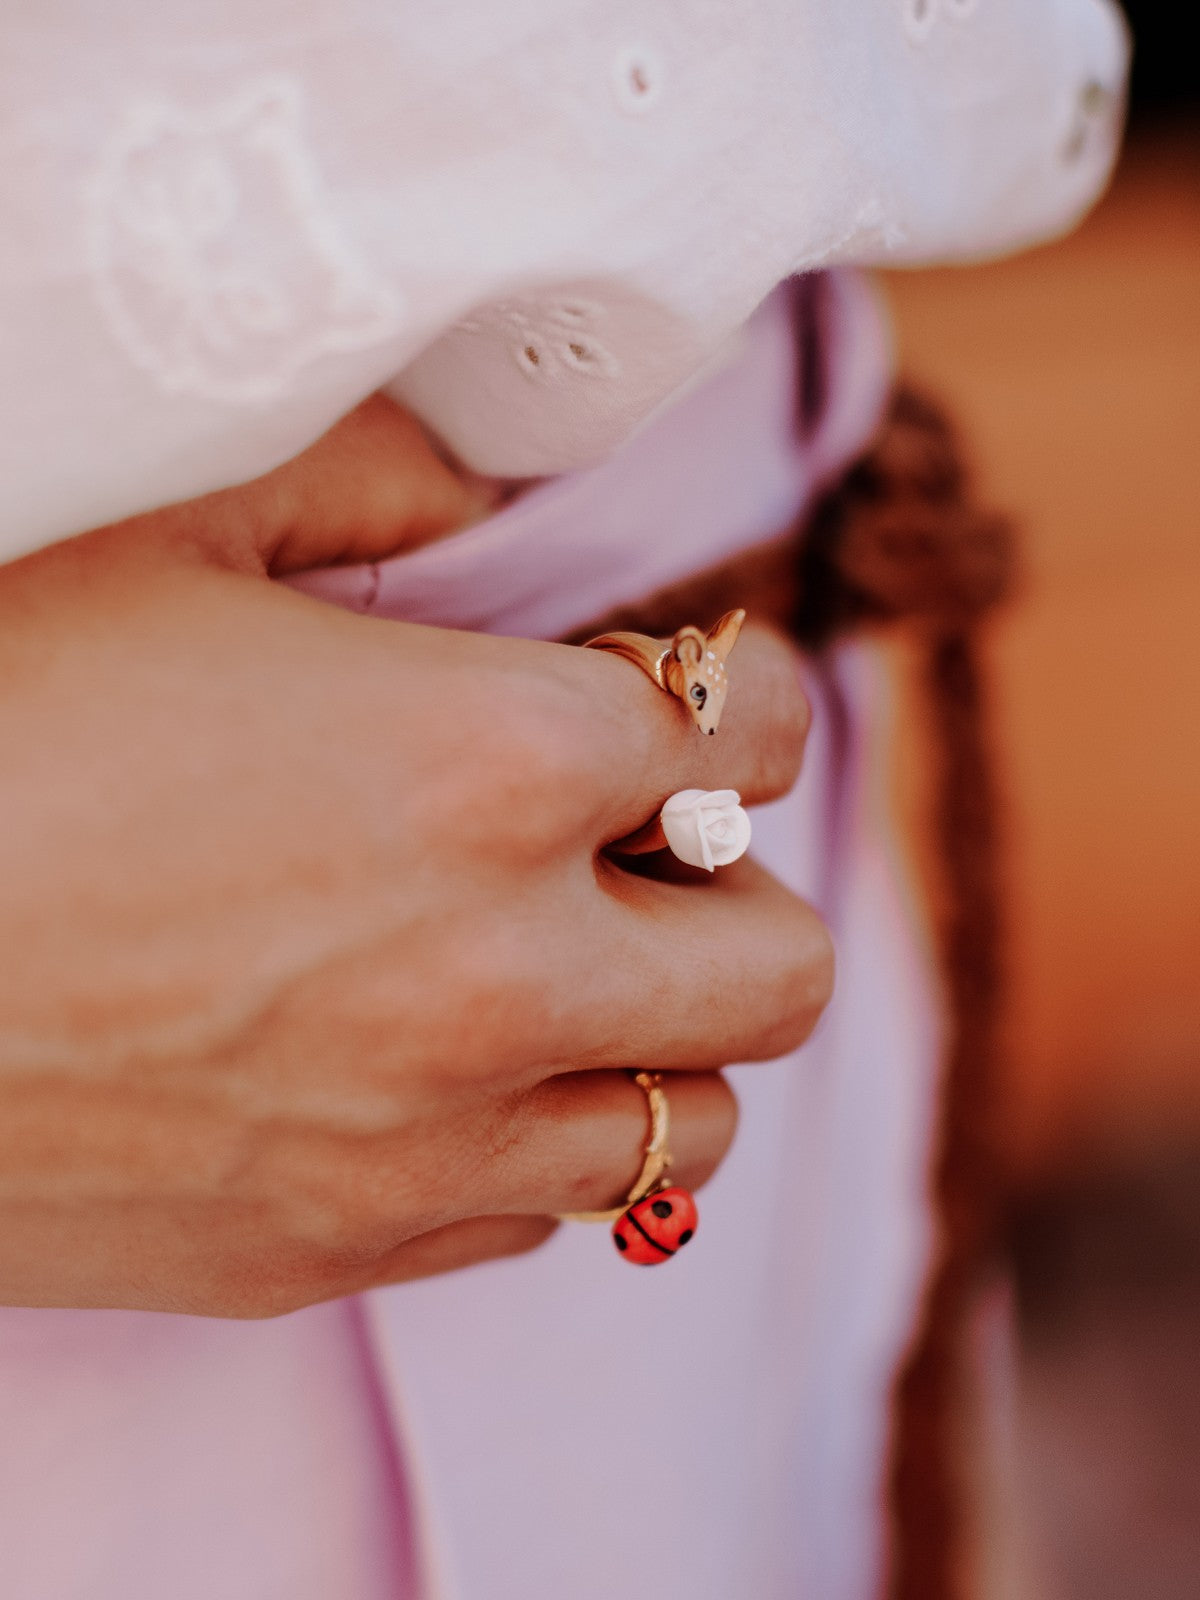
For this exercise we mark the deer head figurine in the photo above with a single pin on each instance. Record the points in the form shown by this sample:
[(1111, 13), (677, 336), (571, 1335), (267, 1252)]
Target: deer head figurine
[(691, 666)]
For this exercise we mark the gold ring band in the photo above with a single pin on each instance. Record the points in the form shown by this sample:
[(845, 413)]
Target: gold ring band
[(656, 1156), (690, 666)]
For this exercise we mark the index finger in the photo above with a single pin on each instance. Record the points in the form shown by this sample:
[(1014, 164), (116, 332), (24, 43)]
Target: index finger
[(644, 745)]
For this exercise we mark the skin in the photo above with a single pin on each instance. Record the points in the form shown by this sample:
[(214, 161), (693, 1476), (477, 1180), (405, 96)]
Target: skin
[(319, 959)]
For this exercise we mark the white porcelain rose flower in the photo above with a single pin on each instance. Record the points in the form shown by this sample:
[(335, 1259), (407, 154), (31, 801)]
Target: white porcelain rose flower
[(706, 827)]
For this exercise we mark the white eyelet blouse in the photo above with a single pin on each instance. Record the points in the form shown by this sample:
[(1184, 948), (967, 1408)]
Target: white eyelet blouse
[(537, 222)]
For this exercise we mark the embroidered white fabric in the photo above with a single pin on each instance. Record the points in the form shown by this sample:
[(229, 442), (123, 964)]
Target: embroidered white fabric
[(537, 221)]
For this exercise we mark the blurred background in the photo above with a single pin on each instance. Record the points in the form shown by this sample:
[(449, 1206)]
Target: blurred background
[(1075, 372)]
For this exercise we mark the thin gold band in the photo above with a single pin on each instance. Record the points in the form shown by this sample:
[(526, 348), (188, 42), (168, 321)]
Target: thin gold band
[(657, 1157)]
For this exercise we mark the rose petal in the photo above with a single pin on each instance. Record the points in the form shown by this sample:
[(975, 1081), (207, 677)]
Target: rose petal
[(706, 828), (736, 840)]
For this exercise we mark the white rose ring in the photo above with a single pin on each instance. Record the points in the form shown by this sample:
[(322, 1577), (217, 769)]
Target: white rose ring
[(706, 827)]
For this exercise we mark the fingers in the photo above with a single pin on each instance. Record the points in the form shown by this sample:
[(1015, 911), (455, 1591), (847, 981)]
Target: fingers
[(576, 748), (370, 487), (649, 747), (733, 969), (576, 1143), (664, 974), (573, 1144), (456, 1245)]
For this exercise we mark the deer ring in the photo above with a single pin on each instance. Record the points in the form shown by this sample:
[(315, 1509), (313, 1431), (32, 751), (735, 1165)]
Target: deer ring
[(691, 666)]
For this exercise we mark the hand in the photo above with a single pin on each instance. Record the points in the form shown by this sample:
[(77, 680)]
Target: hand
[(315, 965)]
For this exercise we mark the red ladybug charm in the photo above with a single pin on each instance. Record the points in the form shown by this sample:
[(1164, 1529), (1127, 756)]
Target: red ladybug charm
[(656, 1228)]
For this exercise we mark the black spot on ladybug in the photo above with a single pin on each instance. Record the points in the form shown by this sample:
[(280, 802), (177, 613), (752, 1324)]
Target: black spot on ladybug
[(685, 1236), (622, 1241), (661, 1208)]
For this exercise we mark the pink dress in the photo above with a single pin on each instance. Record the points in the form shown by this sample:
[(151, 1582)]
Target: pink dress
[(539, 224), (558, 1425)]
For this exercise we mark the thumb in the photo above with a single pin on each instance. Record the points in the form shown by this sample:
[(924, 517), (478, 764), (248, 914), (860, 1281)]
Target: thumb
[(371, 486)]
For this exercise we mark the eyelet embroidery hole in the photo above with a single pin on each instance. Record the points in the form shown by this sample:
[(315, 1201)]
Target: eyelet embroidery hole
[(548, 340), (919, 18), (1094, 98), (637, 79), (1093, 105), (580, 356)]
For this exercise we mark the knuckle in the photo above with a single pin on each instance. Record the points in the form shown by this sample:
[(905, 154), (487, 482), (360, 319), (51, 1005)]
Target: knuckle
[(804, 984), (821, 969), (704, 1121), (358, 1200), (507, 1016), (720, 1113), (556, 756), (783, 732), (724, 1115), (507, 760), (811, 980), (536, 757)]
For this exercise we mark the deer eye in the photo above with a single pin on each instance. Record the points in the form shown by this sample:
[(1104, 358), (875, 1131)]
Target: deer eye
[(698, 693)]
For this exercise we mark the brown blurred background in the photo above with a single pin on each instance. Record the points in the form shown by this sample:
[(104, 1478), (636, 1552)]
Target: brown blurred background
[(1075, 371)]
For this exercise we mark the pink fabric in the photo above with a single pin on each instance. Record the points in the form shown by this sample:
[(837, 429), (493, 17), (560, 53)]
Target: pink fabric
[(720, 1430), (575, 1428), (149, 1457), (716, 473), (567, 1426)]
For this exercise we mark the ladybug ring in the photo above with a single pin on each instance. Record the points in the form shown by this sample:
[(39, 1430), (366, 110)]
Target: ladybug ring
[(657, 1227), (656, 1220)]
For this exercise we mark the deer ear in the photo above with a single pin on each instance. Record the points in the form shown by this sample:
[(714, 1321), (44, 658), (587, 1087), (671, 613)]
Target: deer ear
[(723, 635), (689, 646)]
